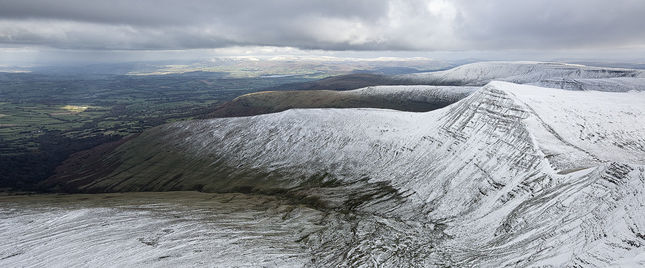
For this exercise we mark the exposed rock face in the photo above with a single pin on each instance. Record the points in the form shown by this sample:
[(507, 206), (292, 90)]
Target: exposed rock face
[(511, 175)]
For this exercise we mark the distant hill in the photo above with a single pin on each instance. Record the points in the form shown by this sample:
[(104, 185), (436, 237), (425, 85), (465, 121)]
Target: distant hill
[(473, 74), (403, 98), (330, 92), (341, 82), (481, 73)]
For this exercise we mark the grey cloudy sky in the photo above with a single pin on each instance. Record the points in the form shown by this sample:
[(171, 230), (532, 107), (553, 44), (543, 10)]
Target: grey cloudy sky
[(336, 25)]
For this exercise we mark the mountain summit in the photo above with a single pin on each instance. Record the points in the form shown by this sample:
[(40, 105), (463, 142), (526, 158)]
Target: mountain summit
[(490, 178)]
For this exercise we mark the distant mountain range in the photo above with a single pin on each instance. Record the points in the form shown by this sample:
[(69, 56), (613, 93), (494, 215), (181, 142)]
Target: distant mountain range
[(324, 93), (246, 67)]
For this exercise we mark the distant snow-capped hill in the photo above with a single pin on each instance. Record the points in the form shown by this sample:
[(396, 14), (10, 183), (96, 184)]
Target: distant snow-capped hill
[(480, 73), (510, 175), (448, 87), (616, 84), (403, 98), (417, 93)]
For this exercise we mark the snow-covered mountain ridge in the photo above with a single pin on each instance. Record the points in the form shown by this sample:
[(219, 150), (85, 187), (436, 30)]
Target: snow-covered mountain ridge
[(423, 92), (616, 84), (413, 98), (416, 92), (518, 175), (480, 73)]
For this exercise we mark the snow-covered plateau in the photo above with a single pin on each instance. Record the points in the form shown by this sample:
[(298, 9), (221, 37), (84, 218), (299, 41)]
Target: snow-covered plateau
[(510, 176), (480, 73)]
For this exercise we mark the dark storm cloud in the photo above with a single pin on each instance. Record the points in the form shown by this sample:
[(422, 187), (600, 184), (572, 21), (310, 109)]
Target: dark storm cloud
[(329, 24), (187, 12)]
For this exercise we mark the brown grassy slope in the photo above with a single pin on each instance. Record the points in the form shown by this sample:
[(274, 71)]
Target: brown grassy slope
[(277, 101), (343, 82)]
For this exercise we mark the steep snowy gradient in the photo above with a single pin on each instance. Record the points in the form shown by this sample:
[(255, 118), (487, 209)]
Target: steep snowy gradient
[(480, 73), (512, 175)]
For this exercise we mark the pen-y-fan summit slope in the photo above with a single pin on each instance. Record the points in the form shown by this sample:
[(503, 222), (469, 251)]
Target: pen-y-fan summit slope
[(515, 175)]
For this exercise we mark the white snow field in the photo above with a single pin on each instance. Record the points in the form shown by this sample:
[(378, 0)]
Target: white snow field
[(174, 229), (511, 176)]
